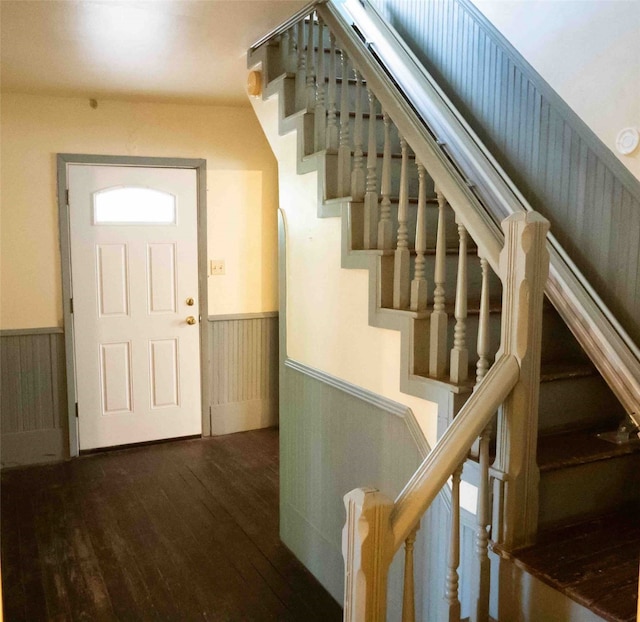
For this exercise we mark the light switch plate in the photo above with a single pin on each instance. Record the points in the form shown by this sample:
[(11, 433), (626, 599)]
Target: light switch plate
[(216, 267)]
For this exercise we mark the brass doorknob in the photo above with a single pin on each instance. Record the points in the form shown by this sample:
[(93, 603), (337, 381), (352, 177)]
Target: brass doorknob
[(191, 320), (189, 302)]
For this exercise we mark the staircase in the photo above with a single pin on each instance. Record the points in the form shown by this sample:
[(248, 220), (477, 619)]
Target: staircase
[(437, 276)]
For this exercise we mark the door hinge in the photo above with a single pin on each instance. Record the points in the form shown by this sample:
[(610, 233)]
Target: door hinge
[(66, 194), (71, 304), (76, 410)]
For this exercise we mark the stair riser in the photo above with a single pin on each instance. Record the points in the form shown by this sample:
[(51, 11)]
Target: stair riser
[(572, 403), (588, 489), (558, 344)]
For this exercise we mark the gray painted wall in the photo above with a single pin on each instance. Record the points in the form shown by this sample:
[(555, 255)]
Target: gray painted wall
[(335, 437), (33, 400), (242, 377), (331, 442), (243, 371), (558, 163)]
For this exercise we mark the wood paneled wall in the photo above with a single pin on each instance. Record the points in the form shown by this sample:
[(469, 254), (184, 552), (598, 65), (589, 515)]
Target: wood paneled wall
[(242, 376), (557, 162), (243, 371), (334, 439), (33, 399)]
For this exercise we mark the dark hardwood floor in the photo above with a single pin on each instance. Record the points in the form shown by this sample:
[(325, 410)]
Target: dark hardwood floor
[(594, 562), (186, 530)]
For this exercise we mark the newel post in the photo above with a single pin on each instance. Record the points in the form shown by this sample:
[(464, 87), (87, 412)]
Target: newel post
[(366, 546), (524, 266)]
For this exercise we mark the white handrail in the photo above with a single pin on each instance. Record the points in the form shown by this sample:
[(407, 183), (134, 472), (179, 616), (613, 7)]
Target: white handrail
[(291, 21), (452, 448)]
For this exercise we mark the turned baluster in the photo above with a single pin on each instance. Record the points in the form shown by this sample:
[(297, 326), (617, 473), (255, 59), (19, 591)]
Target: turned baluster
[(344, 150), (301, 80), (284, 50), (371, 194), (438, 341), (357, 175), (311, 77), (419, 283), (320, 121), (385, 227), (482, 366), (408, 593), (332, 126), (290, 61), (459, 353), (452, 599), (402, 257), (482, 578)]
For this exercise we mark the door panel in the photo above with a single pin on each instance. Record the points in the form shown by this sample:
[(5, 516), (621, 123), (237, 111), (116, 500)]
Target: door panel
[(134, 264), (111, 277), (161, 277)]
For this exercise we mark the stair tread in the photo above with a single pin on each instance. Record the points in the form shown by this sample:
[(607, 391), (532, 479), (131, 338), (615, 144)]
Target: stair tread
[(556, 451), (562, 370), (594, 562)]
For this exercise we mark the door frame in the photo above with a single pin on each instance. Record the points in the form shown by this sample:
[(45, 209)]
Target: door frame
[(200, 166)]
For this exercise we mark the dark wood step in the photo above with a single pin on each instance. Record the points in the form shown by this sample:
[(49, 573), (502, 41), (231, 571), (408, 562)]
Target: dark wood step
[(568, 449), (594, 562)]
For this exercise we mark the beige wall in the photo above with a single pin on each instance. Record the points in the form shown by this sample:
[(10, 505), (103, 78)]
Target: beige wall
[(327, 306), (587, 50), (242, 193)]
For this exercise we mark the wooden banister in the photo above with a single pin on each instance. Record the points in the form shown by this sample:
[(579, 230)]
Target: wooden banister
[(452, 448), (377, 526)]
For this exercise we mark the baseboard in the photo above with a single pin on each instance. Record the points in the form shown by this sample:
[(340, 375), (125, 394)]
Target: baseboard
[(35, 447), (243, 416)]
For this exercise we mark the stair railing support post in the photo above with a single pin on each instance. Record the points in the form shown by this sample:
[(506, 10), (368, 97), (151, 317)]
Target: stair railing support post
[(402, 256), (419, 283), (524, 267), (439, 319), (357, 174), (344, 149), (385, 226), (459, 365), (332, 125), (367, 543), (320, 119), (301, 74), (309, 64), (452, 596), (408, 591), (371, 194)]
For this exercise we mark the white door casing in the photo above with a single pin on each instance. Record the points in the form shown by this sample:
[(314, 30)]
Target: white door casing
[(137, 359)]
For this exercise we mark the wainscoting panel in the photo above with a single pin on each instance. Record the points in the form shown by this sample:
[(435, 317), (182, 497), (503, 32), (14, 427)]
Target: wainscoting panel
[(561, 167), (333, 438), (243, 378), (33, 400), (243, 371)]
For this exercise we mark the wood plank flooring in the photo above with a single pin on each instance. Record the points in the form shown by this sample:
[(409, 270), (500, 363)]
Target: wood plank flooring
[(186, 530)]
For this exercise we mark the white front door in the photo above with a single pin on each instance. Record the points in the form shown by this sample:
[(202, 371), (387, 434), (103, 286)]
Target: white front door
[(134, 272)]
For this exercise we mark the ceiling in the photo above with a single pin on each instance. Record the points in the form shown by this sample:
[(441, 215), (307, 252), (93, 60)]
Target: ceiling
[(190, 51)]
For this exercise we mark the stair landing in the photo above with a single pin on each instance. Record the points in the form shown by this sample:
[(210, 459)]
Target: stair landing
[(594, 562)]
